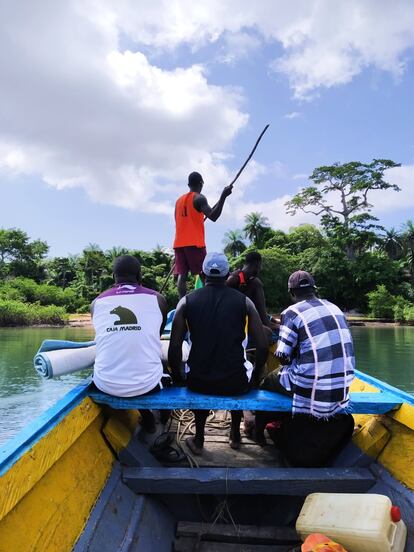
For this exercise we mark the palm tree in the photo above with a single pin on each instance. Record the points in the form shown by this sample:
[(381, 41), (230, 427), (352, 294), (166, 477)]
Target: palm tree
[(115, 252), (233, 243), (408, 233), (256, 224), (61, 271), (392, 244), (408, 237), (94, 263)]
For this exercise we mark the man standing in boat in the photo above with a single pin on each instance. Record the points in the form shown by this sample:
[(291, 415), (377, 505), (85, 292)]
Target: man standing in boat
[(216, 318), (191, 209)]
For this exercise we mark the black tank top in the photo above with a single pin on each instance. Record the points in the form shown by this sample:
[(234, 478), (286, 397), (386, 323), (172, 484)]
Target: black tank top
[(217, 318)]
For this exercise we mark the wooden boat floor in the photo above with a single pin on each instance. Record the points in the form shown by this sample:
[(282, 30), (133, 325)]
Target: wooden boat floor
[(217, 451)]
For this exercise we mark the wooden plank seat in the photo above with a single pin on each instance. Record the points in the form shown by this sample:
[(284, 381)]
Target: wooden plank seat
[(222, 537), (182, 398), (223, 532), (247, 481)]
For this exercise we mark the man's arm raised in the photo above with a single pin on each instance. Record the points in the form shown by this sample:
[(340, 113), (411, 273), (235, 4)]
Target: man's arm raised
[(212, 213)]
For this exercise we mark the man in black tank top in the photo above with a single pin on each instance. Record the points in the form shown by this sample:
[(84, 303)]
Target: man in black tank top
[(218, 319)]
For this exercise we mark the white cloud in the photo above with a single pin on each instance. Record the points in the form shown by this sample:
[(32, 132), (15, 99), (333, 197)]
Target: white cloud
[(238, 45), (388, 200), (292, 115), (275, 211), (334, 41), (324, 43), (78, 111)]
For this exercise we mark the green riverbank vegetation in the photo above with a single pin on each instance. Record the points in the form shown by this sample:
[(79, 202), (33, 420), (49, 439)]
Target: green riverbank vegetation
[(357, 263)]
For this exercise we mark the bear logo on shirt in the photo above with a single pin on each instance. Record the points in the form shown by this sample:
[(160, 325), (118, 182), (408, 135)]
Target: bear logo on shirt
[(126, 316)]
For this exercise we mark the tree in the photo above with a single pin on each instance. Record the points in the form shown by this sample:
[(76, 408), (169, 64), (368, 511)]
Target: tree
[(92, 247), (115, 252), (276, 239), (340, 195), (13, 245), (94, 272), (255, 228), (346, 282), (370, 270), (233, 243), (162, 258), (61, 271), (409, 234), (302, 237), (19, 256), (381, 303), (392, 244), (408, 241), (331, 269), (277, 265)]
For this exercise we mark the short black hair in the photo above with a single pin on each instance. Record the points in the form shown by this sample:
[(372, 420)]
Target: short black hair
[(127, 266), (195, 179), (303, 292), (217, 279), (253, 257)]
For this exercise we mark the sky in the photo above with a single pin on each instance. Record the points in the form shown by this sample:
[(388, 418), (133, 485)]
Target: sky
[(106, 107)]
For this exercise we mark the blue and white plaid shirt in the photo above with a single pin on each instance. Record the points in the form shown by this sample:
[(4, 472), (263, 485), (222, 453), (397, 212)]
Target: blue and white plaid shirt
[(315, 336)]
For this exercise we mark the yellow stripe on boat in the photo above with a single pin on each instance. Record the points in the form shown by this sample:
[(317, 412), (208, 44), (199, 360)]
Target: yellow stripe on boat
[(47, 495), (398, 455), (33, 465), (404, 415), (388, 438), (53, 472)]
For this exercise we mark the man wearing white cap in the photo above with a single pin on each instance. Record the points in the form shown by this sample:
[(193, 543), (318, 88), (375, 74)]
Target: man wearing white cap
[(215, 317)]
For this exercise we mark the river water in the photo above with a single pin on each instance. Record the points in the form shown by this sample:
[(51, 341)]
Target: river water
[(384, 352)]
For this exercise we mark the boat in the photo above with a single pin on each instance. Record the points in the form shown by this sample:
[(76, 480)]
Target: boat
[(78, 478)]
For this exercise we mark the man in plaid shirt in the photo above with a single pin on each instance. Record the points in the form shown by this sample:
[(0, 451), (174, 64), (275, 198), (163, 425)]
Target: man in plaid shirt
[(317, 356), (315, 347)]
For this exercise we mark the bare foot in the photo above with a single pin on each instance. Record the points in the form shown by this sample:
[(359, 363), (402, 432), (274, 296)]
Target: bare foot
[(235, 441), (259, 438), (193, 446), (249, 423), (249, 430)]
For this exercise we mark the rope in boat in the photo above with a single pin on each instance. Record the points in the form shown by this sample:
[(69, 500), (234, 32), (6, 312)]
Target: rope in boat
[(186, 424), (222, 512)]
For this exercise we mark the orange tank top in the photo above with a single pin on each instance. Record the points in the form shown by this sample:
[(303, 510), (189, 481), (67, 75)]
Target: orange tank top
[(189, 223)]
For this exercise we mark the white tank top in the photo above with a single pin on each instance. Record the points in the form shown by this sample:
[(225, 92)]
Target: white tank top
[(127, 321)]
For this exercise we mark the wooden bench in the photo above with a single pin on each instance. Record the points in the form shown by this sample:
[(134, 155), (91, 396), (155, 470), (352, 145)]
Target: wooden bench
[(250, 481), (174, 398), (144, 477)]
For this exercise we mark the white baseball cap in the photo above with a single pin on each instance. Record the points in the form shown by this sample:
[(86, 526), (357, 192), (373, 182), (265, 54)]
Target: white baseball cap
[(216, 265)]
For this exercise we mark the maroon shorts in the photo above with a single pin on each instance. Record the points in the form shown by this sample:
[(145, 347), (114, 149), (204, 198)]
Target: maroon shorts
[(189, 259)]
